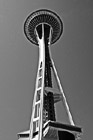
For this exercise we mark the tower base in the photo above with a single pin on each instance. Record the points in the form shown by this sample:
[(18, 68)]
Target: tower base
[(54, 131)]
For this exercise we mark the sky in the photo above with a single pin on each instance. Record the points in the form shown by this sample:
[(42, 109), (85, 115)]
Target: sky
[(72, 54)]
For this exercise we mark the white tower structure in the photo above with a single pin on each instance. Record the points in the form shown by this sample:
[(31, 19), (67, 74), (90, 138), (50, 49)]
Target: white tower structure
[(43, 28)]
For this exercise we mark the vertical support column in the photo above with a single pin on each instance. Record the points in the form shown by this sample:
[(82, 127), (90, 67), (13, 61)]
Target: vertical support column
[(48, 76), (39, 89), (42, 57), (64, 101)]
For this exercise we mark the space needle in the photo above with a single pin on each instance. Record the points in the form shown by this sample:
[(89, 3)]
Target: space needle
[(43, 28)]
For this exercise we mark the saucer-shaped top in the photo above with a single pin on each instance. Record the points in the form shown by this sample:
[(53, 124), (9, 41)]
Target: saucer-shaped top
[(43, 16)]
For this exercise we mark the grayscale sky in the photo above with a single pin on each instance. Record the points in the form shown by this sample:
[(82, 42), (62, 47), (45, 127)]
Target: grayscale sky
[(72, 54)]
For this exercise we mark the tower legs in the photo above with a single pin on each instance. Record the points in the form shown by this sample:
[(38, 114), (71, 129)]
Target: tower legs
[(44, 28)]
